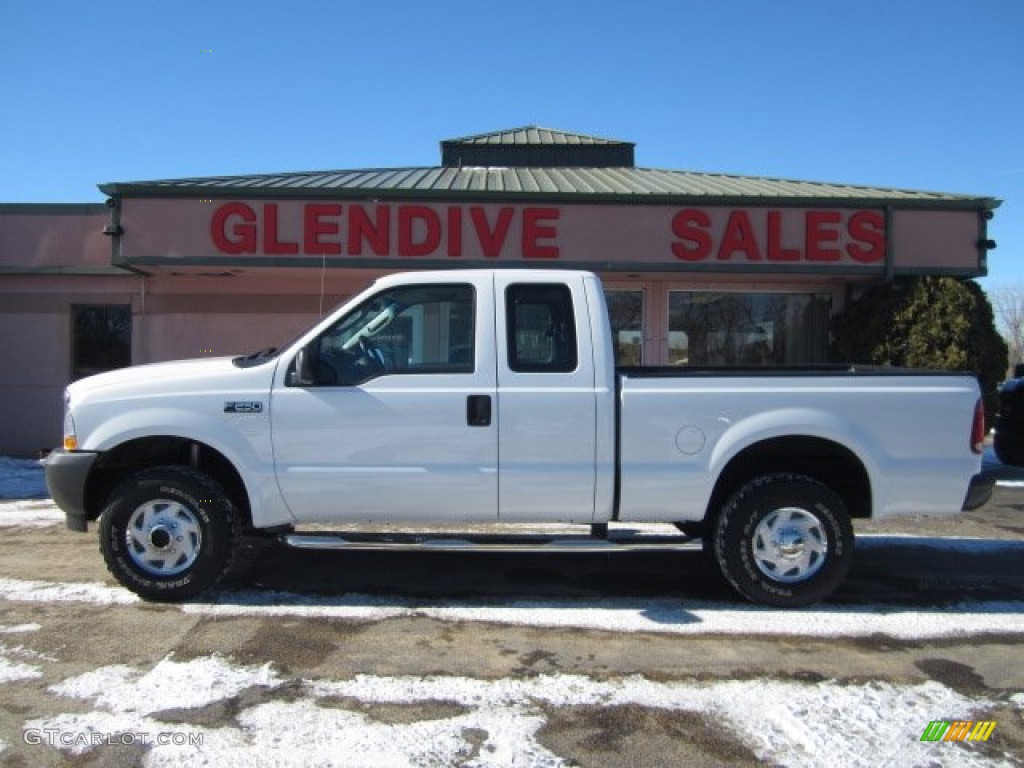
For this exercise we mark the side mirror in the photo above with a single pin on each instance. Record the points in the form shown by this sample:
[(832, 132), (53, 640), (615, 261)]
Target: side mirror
[(302, 374)]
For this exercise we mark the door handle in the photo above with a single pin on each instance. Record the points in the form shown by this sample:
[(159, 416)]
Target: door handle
[(478, 410)]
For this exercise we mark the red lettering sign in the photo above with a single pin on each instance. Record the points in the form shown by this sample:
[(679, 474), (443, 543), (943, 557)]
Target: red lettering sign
[(242, 238), (271, 244), (454, 232), (691, 226), (314, 227), (867, 229), (418, 220), (376, 233), (738, 236), (776, 250), (820, 229), (789, 235), (534, 231)]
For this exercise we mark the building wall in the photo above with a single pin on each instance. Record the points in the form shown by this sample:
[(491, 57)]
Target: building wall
[(35, 324), (172, 317), (187, 304)]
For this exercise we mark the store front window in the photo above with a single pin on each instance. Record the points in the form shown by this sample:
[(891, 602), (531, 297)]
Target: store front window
[(101, 339), (747, 329), (626, 312)]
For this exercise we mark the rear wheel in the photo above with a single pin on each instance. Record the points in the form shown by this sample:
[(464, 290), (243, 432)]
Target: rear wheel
[(168, 533), (784, 540)]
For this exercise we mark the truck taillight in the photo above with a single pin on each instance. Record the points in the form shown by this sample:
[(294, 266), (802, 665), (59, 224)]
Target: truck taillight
[(978, 429)]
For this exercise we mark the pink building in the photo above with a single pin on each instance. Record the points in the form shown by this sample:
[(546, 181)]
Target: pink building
[(699, 268)]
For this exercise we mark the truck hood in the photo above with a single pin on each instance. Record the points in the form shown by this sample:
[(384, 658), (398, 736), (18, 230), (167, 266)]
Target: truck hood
[(166, 378)]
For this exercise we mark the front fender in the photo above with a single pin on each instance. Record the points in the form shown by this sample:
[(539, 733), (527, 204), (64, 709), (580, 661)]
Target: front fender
[(242, 438)]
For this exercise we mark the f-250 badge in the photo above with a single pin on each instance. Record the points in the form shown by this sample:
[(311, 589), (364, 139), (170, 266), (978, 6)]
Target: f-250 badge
[(243, 406)]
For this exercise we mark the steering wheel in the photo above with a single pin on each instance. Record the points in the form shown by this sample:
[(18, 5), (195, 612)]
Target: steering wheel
[(371, 358)]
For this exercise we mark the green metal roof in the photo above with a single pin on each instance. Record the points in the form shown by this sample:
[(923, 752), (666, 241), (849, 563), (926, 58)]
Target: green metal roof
[(547, 177), (636, 185), (532, 135)]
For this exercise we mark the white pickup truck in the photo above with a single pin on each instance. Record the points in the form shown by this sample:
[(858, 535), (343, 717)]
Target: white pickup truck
[(491, 396)]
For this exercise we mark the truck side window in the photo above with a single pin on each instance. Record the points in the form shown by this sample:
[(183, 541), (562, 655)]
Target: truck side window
[(541, 328), (412, 329)]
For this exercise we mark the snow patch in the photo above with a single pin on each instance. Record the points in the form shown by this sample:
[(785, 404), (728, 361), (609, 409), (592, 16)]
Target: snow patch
[(668, 616), (658, 616), (27, 591), (11, 671), (790, 723), (169, 685), (30, 514), (19, 628)]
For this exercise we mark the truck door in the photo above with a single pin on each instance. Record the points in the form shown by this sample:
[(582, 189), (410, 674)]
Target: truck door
[(387, 415), (547, 401)]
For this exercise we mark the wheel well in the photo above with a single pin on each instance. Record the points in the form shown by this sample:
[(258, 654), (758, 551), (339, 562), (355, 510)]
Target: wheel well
[(113, 466), (830, 463)]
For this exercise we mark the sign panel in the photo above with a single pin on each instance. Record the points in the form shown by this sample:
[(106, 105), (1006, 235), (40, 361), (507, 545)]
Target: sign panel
[(752, 238)]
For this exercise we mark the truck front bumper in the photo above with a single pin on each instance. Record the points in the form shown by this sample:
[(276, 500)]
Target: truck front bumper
[(979, 491), (65, 479)]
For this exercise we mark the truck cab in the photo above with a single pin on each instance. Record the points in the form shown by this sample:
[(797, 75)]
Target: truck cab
[(477, 394)]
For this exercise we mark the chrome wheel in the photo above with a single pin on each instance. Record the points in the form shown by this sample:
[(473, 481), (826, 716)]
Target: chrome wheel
[(163, 537), (790, 545)]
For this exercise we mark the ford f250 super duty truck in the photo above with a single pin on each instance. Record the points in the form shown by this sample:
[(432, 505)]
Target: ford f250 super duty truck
[(492, 396)]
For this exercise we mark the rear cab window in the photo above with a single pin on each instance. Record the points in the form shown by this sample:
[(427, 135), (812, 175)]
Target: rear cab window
[(541, 328)]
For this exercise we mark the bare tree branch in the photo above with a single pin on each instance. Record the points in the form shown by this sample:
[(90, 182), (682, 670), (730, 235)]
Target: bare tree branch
[(1008, 303)]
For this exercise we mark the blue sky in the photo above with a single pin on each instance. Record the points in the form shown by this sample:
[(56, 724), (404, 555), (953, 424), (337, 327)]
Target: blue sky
[(906, 93)]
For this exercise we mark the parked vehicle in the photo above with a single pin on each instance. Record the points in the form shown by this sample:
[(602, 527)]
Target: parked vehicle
[(1009, 431), (492, 396)]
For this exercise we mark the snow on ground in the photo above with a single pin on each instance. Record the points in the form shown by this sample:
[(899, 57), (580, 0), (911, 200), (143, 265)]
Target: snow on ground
[(30, 513), (670, 616), (169, 685), (789, 723), (16, 670), (28, 591)]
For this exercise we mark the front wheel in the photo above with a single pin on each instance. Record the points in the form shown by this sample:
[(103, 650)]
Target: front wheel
[(168, 533), (784, 540)]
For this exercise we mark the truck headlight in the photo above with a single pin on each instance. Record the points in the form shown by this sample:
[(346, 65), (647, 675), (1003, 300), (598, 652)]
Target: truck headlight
[(70, 434)]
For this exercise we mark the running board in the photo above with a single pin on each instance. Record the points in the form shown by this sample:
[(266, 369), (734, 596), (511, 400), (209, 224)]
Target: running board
[(485, 542)]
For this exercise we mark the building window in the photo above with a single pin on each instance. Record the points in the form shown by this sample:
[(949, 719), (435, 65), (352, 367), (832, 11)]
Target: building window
[(541, 329), (626, 313), (747, 329), (101, 339)]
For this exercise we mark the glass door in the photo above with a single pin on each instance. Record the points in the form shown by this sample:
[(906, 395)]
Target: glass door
[(626, 311)]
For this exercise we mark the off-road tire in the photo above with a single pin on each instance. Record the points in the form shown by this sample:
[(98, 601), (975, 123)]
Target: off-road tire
[(750, 557), (183, 509)]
